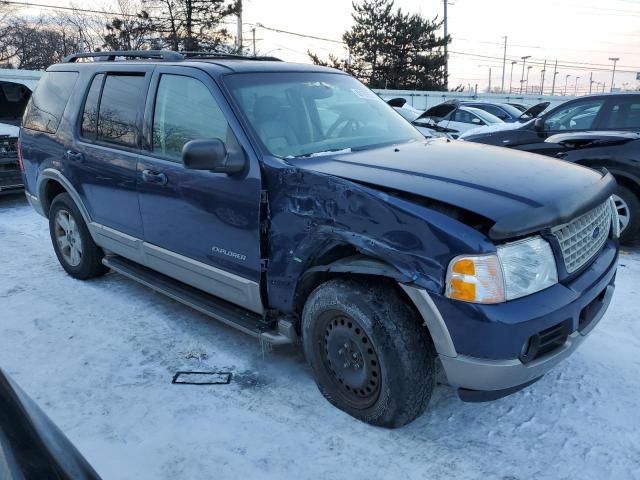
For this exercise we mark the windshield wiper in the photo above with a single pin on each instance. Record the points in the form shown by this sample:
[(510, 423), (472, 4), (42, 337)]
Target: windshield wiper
[(332, 151)]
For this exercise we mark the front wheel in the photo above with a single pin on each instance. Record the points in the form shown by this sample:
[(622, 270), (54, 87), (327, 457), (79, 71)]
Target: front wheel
[(76, 251), (370, 355), (628, 207)]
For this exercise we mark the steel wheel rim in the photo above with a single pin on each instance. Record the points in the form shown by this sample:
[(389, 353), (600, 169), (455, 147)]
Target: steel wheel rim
[(350, 360), (624, 213), (68, 238)]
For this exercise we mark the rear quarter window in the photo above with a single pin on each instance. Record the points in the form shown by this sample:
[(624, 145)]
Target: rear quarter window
[(49, 101)]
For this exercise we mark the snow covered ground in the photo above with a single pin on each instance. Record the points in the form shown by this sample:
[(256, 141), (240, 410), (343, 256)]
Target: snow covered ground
[(99, 357)]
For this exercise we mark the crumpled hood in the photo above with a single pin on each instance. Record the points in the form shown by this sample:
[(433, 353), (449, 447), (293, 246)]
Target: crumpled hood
[(497, 183)]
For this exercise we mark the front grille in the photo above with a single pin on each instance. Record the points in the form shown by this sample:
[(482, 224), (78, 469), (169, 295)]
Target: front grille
[(583, 237)]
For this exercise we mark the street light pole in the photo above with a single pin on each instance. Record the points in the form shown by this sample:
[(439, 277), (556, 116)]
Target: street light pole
[(613, 75), (590, 83), (566, 80), (524, 61), (504, 63), (527, 80), (513, 62), (544, 70), (555, 73), (575, 89), (489, 80), (446, 48)]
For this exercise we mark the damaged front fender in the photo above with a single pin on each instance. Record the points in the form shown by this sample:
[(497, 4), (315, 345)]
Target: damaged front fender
[(312, 213)]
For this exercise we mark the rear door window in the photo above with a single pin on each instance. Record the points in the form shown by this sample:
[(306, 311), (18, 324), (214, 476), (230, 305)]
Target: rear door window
[(49, 101), (121, 98)]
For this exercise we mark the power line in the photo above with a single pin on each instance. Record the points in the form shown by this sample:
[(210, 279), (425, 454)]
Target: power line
[(260, 25)]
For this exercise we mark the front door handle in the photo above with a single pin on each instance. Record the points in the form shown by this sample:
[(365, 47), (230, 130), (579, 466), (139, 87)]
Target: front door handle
[(158, 178), (74, 156)]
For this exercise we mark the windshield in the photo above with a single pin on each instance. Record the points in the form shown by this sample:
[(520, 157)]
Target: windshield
[(304, 114)]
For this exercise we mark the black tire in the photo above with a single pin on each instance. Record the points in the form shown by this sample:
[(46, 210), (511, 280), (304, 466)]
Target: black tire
[(632, 204), (388, 373), (89, 263)]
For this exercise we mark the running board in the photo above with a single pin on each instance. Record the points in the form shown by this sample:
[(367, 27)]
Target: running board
[(227, 313)]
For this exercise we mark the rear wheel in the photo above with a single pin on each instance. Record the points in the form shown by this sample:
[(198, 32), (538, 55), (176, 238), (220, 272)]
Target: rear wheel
[(76, 251), (628, 206), (369, 353)]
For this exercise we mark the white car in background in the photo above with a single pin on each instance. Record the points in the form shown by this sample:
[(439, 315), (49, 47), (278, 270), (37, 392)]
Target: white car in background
[(458, 118)]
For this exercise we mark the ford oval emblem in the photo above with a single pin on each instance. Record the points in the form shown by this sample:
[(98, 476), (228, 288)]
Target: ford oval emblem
[(596, 233)]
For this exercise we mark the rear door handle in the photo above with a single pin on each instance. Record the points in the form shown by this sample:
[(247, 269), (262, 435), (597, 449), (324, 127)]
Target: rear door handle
[(158, 178), (74, 156)]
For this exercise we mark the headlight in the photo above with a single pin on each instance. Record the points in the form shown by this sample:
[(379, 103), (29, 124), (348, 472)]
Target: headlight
[(615, 220), (519, 268)]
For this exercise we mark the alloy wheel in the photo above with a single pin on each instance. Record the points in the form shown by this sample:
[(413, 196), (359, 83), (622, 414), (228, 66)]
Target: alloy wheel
[(68, 237)]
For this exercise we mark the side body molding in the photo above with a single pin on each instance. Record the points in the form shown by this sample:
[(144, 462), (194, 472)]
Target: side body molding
[(215, 281)]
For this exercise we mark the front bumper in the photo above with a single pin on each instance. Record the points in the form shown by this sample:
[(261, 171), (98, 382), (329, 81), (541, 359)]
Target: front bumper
[(481, 374), (493, 330)]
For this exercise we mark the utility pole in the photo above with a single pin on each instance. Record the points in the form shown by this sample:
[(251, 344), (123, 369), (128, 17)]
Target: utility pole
[(446, 49), (575, 90), (513, 62), (239, 38), (590, 82), (504, 63), (489, 91), (524, 61), (253, 34), (566, 80), (555, 73), (544, 69), (613, 75)]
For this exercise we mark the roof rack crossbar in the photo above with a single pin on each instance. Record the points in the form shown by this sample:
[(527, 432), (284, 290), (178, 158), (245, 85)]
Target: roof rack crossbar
[(111, 56)]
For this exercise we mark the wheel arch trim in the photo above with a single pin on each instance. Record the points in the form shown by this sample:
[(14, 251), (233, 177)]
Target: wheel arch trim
[(50, 174), (419, 297), (432, 320)]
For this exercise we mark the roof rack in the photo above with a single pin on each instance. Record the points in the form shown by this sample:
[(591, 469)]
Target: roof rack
[(229, 56), (111, 56)]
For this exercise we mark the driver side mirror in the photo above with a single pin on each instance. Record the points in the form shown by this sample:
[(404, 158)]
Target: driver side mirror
[(538, 124), (211, 154), (477, 121)]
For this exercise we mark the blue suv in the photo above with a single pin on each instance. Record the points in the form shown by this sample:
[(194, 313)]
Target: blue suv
[(292, 203)]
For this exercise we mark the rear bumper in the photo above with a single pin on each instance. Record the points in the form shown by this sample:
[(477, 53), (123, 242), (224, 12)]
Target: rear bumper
[(10, 183), (35, 203)]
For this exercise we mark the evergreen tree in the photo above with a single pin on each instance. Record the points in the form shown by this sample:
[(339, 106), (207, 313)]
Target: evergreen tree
[(392, 49)]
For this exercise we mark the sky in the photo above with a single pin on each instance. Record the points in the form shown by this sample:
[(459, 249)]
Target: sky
[(581, 34)]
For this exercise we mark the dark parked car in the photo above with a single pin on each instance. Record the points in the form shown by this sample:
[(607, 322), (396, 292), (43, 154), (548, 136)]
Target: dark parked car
[(13, 99), (600, 131), (344, 228), (31, 445)]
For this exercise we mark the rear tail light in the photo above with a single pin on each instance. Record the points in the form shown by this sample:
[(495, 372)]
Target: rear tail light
[(19, 149)]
